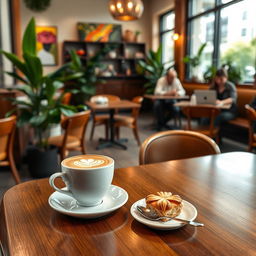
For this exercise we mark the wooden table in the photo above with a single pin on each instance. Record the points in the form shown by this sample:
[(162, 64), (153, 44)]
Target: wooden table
[(221, 187), (190, 104), (165, 97), (112, 106)]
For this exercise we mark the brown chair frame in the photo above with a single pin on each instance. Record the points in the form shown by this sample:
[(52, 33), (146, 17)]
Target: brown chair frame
[(251, 117), (7, 129), (68, 123), (121, 120), (202, 111), (173, 145), (102, 119)]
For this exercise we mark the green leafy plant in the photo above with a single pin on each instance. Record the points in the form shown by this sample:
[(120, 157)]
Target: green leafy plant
[(234, 72), (196, 60), (38, 5), (209, 74), (41, 108), (83, 86), (153, 68)]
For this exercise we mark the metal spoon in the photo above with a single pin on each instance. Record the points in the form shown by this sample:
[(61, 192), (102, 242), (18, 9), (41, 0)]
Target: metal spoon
[(151, 215)]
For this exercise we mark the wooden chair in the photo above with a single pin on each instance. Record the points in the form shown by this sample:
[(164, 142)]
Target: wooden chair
[(66, 98), (74, 135), (251, 117), (7, 131), (129, 121), (173, 145), (200, 112), (102, 119)]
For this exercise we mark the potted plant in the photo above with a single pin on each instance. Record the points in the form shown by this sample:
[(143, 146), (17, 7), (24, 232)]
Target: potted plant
[(85, 75), (41, 108), (195, 62), (153, 69)]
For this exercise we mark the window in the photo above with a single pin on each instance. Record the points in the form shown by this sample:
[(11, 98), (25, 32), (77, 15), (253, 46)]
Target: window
[(5, 43), (229, 29), (166, 36)]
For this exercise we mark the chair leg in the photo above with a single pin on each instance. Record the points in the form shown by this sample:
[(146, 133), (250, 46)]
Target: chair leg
[(92, 130), (14, 170), (117, 133), (83, 148), (136, 135), (106, 131)]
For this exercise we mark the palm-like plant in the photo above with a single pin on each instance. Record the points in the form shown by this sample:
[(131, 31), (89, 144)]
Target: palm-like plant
[(41, 108), (153, 68), (83, 84)]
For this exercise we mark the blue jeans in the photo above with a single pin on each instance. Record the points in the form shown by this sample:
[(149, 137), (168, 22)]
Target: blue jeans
[(224, 117), (164, 110)]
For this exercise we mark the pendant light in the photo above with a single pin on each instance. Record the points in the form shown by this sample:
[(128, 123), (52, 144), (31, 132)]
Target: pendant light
[(126, 10)]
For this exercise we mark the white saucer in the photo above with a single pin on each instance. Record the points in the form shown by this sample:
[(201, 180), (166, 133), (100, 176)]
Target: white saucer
[(114, 199), (188, 212)]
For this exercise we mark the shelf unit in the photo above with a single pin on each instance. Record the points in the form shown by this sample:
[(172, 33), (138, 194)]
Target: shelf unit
[(123, 58)]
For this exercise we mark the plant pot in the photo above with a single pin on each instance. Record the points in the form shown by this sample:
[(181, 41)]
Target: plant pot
[(42, 164)]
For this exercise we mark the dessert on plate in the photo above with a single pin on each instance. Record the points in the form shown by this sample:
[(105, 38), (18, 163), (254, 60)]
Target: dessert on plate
[(165, 204)]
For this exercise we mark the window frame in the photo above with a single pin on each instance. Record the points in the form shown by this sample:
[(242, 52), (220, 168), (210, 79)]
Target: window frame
[(216, 10), (162, 31)]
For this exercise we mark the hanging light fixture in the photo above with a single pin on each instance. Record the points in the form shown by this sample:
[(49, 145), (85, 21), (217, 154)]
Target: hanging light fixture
[(126, 9)]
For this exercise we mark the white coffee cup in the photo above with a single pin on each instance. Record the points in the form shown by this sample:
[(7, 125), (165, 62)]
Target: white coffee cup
[(87, 177)]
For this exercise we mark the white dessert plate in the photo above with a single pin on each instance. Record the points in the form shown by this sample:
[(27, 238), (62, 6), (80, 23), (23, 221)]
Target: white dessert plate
[(188, 212), (115, 198)]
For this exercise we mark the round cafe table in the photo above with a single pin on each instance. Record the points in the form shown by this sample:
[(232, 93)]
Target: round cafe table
[(221, 187)]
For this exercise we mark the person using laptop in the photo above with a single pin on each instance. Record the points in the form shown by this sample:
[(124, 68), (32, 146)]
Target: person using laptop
[(226, 94), (164, 109)]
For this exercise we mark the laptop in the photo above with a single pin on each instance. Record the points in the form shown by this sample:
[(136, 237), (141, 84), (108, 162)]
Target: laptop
[(205, 97)]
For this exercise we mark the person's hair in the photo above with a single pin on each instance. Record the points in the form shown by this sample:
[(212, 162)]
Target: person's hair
[(172, 70), (221, 73)]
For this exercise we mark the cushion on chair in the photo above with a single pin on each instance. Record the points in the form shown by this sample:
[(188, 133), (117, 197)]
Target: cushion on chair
[(72, 141), (125, 119)]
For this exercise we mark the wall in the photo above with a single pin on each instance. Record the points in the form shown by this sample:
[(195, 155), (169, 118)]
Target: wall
[(158, 7), (66, 14)]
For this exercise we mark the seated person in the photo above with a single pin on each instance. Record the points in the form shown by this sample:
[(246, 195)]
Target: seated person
[(226, 94), (164, 109)]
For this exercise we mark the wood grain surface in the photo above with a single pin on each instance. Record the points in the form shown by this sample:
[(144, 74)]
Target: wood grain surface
[(122, 104), (221, 187)]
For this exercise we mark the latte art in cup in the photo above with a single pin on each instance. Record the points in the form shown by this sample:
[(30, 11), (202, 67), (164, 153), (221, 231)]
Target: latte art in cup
[(87, 161)]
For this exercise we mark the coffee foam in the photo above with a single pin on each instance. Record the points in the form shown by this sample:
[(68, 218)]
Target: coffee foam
[(87, 161)]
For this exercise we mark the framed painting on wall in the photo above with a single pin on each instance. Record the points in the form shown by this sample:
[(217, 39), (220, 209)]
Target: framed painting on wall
[(46, 45), (95, 32)]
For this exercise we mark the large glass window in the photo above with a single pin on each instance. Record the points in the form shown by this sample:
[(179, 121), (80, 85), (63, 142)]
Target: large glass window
[(229, 29), (5, 43), (166, 36)]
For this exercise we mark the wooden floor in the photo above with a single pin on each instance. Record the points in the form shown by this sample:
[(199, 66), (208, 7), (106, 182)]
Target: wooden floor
[(123, 158)]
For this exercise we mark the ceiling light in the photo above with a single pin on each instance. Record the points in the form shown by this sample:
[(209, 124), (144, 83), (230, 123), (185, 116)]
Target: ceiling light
[(125, 10)]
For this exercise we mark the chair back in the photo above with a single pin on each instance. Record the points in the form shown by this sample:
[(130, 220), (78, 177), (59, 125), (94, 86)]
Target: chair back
[(108, 96), (76, 124), (173, 145), (201, 111), (251, 117), (66, 98), (7, 130), (136, 111)]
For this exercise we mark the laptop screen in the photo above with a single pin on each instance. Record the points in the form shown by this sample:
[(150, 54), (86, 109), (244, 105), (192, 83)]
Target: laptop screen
[(205, 96)]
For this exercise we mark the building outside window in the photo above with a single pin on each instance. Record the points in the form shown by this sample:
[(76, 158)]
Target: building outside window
[(167, 22), (229, 29)]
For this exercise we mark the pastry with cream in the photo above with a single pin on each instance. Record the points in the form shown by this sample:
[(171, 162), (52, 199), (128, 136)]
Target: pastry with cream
[(164, 204)]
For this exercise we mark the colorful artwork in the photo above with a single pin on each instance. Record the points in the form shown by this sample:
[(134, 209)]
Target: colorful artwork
[(46, 45), (92, 32)]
